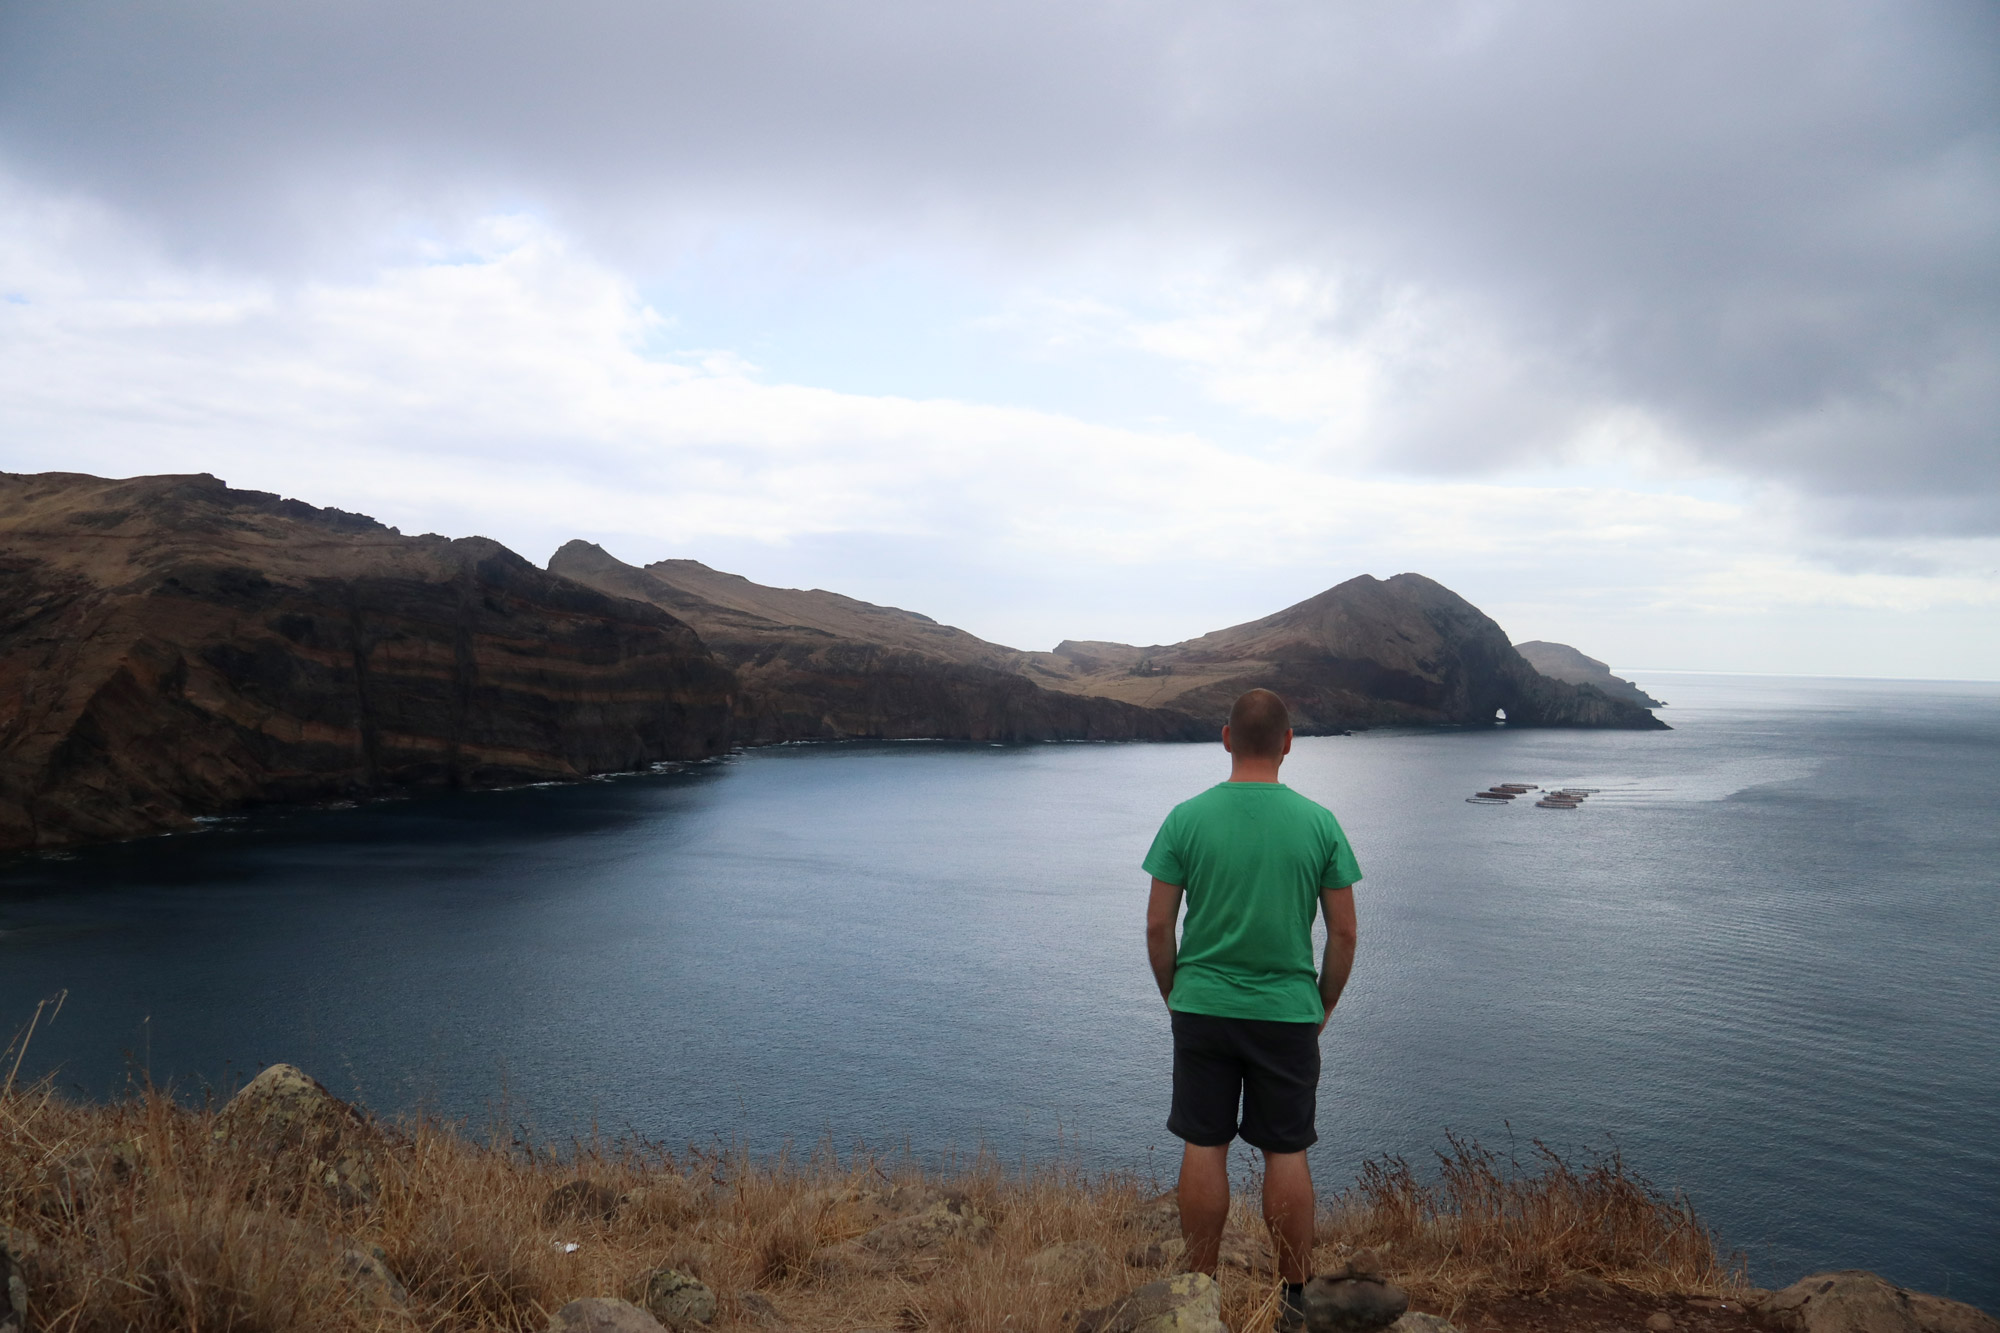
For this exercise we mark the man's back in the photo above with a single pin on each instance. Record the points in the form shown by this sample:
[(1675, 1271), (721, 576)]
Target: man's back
[(1252, 858)]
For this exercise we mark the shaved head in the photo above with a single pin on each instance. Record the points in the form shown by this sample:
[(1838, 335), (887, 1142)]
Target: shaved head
[(1258, 721)]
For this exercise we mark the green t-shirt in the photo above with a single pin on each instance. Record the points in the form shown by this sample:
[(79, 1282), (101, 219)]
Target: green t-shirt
[(1252, 858)]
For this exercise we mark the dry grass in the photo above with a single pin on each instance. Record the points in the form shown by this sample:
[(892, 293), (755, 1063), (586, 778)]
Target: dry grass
[(194, 1236), (1485, 1224)]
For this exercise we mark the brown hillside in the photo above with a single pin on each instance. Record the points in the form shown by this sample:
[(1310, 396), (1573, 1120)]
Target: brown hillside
[(1368, 652), (171, 648), (815, 665)]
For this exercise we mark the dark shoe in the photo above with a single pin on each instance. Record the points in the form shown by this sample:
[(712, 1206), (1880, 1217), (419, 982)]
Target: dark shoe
[(1291, 1311)]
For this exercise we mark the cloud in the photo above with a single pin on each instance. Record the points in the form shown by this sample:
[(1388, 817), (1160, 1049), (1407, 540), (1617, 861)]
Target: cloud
[(1684, 306), (1766, 229), (511, 384)]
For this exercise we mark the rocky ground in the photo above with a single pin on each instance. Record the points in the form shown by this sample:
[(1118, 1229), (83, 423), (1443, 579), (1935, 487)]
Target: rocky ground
[(288, 1209)]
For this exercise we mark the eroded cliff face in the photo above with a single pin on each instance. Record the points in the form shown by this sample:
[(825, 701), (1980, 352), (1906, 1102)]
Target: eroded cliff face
[(172, 648), (814, 665), (1367, 652)]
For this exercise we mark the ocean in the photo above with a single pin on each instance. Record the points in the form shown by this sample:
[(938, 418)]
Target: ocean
[(1762, 963)]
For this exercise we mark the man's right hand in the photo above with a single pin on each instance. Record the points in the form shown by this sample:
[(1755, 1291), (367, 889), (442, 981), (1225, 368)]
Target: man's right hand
[(1337, 906), (1163, 909)]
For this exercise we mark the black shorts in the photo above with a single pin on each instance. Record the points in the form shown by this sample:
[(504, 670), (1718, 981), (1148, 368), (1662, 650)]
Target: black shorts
[(1272, 1067)]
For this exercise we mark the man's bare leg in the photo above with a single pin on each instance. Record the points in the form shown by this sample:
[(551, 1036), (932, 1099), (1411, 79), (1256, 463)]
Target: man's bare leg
[(1288, 1211), (1204, 1199)]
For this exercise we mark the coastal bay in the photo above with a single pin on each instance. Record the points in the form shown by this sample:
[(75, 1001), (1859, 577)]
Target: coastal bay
[(1759, 962)]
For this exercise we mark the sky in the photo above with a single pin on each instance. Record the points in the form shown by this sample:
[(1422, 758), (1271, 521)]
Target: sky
[(1667, 330)]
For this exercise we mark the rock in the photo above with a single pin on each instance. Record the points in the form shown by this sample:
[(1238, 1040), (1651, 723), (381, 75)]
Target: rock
[(1156, 1253), (1158, 1221), (279, 1240), (1936, 1314), (15, 1247), (603, 1314), (759, 1309), (678, 1299), (914, 1196), (853, 1210), (913, 1239), (689, 1255), (1245, 1250), (1159, 1216), (1352, 1304), (1856, 1301), (1413, 1322), (103, 1166), (1587, 1284), (1069, 1264), (367, 1273), (1185, 1303), (662, 1201), (286, 1116), (580, 1200), (1366, 1262), (1660, 1322)]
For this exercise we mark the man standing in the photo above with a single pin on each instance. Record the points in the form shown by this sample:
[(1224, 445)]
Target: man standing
[(1254, 860)]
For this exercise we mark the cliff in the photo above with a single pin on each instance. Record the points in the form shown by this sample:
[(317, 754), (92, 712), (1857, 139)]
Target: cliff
[(814, 665), (1368, 652), (171, 648), (1559, 661)]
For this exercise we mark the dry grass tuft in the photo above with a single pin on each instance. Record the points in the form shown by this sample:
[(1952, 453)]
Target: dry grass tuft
[(135, 1219), (1486, 1225)]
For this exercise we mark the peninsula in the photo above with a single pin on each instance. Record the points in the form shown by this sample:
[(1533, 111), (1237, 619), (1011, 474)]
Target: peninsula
[(173, 648), (1559, 661)]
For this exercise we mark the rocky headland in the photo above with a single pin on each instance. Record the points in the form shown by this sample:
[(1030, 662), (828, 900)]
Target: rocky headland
[(1369, 652), (172, 648), (287, 1208), (1559, 661)]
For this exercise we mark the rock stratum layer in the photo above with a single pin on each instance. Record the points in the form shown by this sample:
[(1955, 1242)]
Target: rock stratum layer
[(814, 665), (170, 647)]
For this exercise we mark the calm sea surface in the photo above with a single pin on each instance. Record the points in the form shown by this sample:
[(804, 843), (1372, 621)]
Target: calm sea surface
[(1764, 963)]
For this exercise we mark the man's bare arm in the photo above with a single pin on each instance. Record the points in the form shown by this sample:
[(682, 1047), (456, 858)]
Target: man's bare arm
[(1163, 909), (1337, 906)]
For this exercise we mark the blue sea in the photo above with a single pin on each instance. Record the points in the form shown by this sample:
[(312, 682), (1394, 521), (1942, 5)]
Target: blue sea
[(1763, 962)]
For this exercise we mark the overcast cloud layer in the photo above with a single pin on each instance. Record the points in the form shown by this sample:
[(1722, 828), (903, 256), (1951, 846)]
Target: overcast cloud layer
[(1671, 329)]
